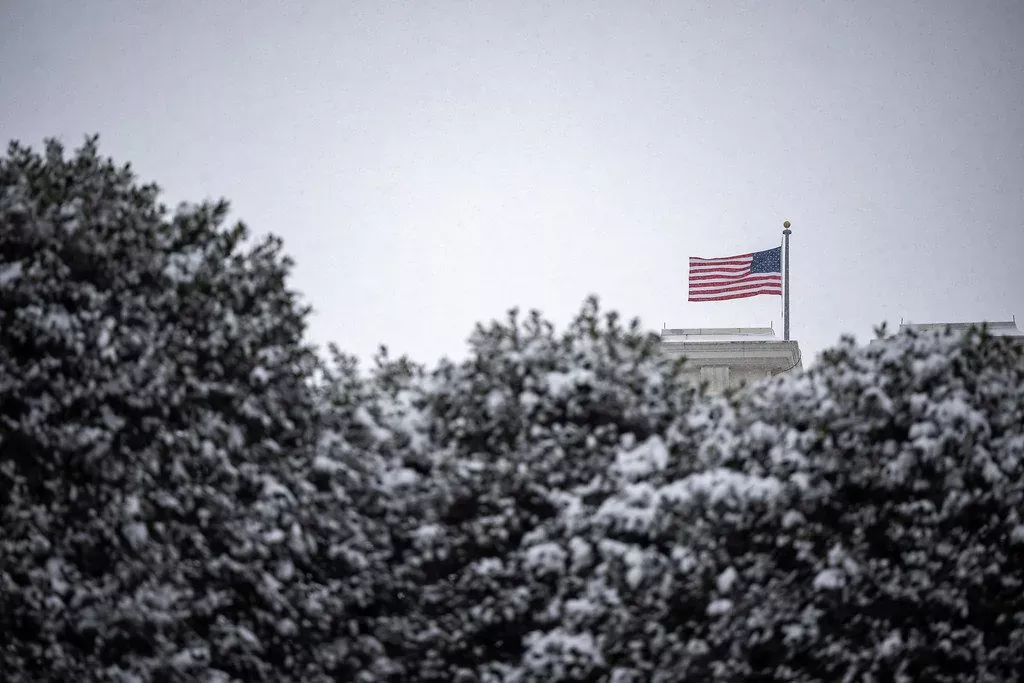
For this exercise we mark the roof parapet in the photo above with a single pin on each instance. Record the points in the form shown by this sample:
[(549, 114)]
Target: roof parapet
[(709, 334)]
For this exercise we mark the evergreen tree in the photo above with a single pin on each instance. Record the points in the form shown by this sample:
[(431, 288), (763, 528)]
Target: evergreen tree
[(188, 493), (154, 384)]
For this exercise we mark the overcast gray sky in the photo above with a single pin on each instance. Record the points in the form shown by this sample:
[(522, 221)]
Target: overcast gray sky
[(431, 164)]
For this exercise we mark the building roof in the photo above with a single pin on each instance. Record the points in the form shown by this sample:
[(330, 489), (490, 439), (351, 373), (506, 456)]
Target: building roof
[(740, 347), (1000, 328), (718, 334)]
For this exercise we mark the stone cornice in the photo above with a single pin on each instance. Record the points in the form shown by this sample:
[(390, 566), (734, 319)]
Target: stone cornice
[(776, 355)]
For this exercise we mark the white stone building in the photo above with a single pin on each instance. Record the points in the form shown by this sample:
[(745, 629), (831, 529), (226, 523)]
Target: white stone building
[(736, 356), (731, 357), (1003, 328)]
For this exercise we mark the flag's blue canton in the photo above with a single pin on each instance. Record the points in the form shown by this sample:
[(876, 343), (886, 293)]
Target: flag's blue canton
[(767, 261)]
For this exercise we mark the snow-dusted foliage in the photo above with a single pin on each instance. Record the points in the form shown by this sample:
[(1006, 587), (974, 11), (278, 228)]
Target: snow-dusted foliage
[(516, 442), (571, 512), (156, 421), (187, 493), (893, 551)]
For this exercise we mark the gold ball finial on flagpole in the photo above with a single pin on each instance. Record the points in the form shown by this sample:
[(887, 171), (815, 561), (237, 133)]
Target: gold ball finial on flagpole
[(785, 224)]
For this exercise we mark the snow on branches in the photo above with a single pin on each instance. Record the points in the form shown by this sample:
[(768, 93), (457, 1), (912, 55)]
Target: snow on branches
[(188, 492)]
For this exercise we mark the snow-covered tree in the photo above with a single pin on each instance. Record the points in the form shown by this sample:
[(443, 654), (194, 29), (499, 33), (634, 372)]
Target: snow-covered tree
[(188, 493), (894, 549), (155, 391), (507, 446), (861, 521), (580, 515)]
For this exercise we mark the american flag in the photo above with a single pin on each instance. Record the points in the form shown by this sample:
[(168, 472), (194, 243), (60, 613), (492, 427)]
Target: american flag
[(736, 277)]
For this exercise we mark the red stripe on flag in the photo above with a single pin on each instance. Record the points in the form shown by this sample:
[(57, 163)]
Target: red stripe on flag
[(736, 296), (728, 271), (754, 277), (720, 264), (737, 288)]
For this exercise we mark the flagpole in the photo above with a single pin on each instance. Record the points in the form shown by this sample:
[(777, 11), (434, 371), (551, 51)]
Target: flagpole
[(785, 294)]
